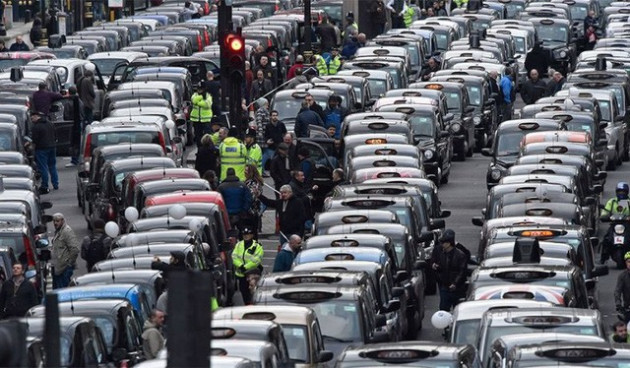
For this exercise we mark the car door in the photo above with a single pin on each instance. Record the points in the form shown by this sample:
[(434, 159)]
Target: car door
[(443, 143)]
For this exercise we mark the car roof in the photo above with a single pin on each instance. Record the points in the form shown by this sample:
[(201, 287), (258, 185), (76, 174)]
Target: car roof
[(83, 306), (283, 314), (474, 309), (151, 162)]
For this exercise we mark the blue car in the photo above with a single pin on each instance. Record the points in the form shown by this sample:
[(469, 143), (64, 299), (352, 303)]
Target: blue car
[(136, 294)]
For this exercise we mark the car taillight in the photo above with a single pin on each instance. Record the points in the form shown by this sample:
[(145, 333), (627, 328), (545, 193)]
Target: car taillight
[(206, 35), (206, 9), (200, 42), (162, 141), (88, 144), (277, 7), (111, 214), (124, 363), (30, 253), (269, 43)]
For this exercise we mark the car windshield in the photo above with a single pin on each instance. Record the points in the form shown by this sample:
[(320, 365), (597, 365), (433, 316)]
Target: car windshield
[(508, 143), (64, 53), (604, 107), (6, 139), (520, 45), (107, 66), (111, 138), (578, 12), (358, 92), (480, 25), (442, 41), (289, 108), (618, 91), (579, 127), (474, 95), (513, 9), (552, 33), (62, 72), (423, 126), (6, 64), (14, 242), (377, 86), (453, 101), (466, 332), (339, 320), (297, 344), (107, 327), (413, 54), (494, 332)]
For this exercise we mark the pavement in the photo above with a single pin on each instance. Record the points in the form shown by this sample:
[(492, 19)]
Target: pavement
[(18, 29)]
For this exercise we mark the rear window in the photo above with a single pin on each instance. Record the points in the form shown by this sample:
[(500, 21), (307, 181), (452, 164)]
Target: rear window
[(15, 242), (6, 64), (111, 138), (6, 141)]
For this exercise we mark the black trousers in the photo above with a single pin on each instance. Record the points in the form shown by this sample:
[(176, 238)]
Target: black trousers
[(243, 286)]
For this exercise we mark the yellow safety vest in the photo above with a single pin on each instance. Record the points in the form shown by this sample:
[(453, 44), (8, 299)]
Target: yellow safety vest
[(461, 3), (254, 156), (408, 16), (321, 66), (233, 154), (334, 66), (201, 108), (251, 257)]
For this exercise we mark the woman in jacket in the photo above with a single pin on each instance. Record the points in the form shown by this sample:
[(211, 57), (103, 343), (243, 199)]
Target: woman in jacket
[(254, 182)]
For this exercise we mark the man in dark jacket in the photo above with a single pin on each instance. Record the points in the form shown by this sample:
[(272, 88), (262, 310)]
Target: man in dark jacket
[(290, 210), (327, 35), (85, 87), (19, 45), (555, 84), (96, 247), (304, 120), (314, 106), (378, 14), (280, 167), (261, 86), (285, 257), (268, 71), (590, 20), (533, 89), (274, 131), (177, 262), (537, 59), (449, 263), (43, 98), (18, 294), (43, 137), (237, 197), (35, 35), (213, 88)]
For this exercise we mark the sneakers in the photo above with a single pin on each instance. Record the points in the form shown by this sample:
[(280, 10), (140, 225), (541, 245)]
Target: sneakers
[(44, 191), (70, 164)]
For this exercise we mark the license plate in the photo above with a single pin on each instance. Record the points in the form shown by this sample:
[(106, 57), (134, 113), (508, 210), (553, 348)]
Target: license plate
[(618, 239)]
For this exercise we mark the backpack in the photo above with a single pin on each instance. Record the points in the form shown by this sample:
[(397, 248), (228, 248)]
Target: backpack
[(95, 251)]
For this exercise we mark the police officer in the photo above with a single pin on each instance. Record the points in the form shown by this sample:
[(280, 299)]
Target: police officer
[(254, 152), (618, 205), (622, 289), (201, 113), (247, 258), (408, 15), (335, 62), (320, 65), (233, 153)]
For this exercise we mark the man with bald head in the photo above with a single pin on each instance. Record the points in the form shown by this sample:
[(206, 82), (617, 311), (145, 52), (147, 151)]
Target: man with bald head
[(533, 89), (285, 256)]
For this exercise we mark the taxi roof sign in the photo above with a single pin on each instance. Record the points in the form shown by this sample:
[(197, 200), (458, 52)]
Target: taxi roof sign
[(523, 275), (307, 296), (307, 279), (399, 356), (354, 219), (259, 316), (376, 141), (580, 354), (434, 86), (528, 126)]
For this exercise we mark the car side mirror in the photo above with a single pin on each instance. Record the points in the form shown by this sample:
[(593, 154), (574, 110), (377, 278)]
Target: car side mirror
[(601, 175), (41, 243), (619, 119), (46, 219), (445, 134), (477, 221), (435, 224), (380, 336), (445, 213), (603, 124), (589, 201), (594, 241), (324, 356), (93, 188), (597, 188), (177, 140), (45, 205), (392, 306), (381, 320), (448, 117), (601, 270), (180, 122), (600, 163), (401, 276), (358, 105), (398, 291), (469, 110), (84, 174), (370, 102), (490, 102), (419, 265), (40, 229), (426, 236), (119, 354), (486, 152)]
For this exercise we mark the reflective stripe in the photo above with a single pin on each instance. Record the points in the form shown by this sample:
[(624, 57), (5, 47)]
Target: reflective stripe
[(334, 65), (241, 257)]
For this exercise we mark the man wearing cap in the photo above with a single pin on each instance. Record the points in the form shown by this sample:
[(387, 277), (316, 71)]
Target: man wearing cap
[(449, 264), (43, 137), (254, 152), (232, 154), (43, 98), (247, 258)]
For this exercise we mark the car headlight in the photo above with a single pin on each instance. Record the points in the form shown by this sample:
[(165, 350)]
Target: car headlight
[(477, 120), (619, 229), (563, 54), (560, 53), (456, 127), (428, 154), (495, 174)]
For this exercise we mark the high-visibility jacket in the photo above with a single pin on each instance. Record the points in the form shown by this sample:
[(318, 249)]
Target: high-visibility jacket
[(214, 304), (250, 257), (233, 154), (215, 139), (614, 206), (461, 3), (408, 16), (254, 156), (201, 111), (334, 65), (322, 67)]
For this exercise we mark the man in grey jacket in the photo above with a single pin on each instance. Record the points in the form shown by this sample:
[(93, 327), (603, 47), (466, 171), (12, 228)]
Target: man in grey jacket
[(65, 249), (152, 339)]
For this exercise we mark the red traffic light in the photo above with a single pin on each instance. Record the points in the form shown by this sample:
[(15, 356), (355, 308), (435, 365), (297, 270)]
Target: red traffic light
[(234, 42)]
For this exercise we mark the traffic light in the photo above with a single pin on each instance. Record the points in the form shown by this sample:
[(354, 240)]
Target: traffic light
[(235, 56), (12, 343), (233, 68)]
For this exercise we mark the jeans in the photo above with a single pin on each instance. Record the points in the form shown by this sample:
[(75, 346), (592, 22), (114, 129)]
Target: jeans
[(88, 115), (63, 280), (448, 299), (267, 155), (46, 159)]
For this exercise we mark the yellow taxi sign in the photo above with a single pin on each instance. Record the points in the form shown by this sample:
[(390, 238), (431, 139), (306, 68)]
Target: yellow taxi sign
[(434, 86), (536, 233), (376, 141)]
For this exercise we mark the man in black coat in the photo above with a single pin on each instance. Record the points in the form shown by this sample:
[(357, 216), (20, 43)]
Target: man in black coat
[(533, 89), (537, 59), (291, 213), (555, 84), (280, 167), (18, 294), (43, 135), (450, 265), (213, 88), (314, 106), (327, 35)]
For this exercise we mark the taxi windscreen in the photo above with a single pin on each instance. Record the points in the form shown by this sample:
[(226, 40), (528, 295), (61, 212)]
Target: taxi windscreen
[(339, 320), (6, 64), (378, 87), (111, 138), (508, 143), (466, 332), (423, 126)]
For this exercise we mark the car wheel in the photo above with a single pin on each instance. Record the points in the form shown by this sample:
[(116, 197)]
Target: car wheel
[(190, 137), (612, 164), (619, 158), (626, 153)]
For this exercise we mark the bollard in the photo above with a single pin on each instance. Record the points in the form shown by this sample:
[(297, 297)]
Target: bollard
[(8, 16), (27, 15)]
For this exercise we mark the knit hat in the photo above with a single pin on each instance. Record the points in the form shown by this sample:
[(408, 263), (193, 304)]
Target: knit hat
[(261, 102)]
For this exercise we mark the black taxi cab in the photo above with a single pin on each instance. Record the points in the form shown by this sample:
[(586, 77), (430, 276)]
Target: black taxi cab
[(505, 144), (571, 352), (410, 354), (324, 221)]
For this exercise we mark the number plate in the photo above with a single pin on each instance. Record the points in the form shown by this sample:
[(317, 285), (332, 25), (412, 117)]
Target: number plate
[(618, 239)]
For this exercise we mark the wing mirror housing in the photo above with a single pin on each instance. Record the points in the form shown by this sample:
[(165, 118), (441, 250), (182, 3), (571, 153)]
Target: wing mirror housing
[(486, 152), (601, 270), (401, 276), (324, 356), (435, 224), (445, 213), (398, 291), (392, 306), (477, 221)]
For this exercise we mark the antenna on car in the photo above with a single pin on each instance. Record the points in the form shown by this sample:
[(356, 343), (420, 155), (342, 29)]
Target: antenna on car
[(113, 275), (71, 304)]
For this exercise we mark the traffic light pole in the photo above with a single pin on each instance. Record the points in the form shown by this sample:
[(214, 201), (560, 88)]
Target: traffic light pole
[(224, 28), (308, 47)]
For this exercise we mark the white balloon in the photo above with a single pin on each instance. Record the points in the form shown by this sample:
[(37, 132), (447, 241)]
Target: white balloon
[(111, 229), (177, 211), (170, 124), (131, 214), (90, 66), (441, 319), (131, 240), (194, 225)]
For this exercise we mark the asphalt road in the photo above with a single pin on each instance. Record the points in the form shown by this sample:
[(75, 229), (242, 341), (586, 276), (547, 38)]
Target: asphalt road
[(464, 195)]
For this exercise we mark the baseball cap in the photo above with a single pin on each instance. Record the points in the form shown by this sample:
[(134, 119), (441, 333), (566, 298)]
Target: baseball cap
[(250, 132), (447, 236)]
